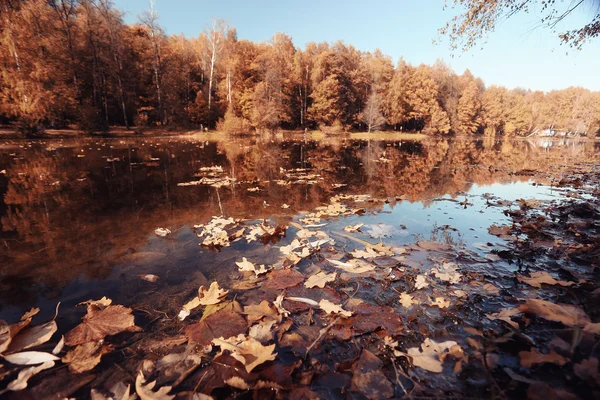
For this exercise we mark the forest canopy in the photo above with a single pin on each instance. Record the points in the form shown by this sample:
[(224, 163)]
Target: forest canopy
[(76, 63)]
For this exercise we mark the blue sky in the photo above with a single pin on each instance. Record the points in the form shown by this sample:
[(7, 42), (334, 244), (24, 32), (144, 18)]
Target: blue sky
[(516, 55)]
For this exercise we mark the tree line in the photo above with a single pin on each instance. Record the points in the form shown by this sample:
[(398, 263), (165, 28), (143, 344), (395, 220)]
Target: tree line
[(68, 63)]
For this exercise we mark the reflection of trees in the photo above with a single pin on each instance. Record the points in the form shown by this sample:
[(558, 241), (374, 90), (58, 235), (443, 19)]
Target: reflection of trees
[(67, 215)]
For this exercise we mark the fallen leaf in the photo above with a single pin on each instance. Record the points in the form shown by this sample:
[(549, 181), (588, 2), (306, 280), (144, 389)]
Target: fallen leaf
[(447, 272), (407, 300), (262, 331), (283, 279), (440, 302), (248, 351), (149, 278), (320, 279), (505, 315), (223, 323), (353, 228), (355, 266), (85, 357), (146, 390), (433, 246), (536, 279), (247, 266), (32, 336), (431, 355), (368, 252), (30, 358), (278, 303), (59, 346), (331, 308), (567, 314), (31, 313), (99, 323), (534, 357), (102, 303), (20, 382), (368, 378), (587, 370), (421, 282), (162, 232), (256, 312)]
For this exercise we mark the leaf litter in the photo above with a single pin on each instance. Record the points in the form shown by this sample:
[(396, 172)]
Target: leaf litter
[(288, 328)]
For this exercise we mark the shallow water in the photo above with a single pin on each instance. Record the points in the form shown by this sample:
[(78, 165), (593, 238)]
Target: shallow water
[(78, 217)]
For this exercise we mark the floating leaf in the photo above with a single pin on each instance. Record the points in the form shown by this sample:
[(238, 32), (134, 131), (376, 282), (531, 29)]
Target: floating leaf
[(320, 279), (505, 315), (567, 314), (248, 351), (447, 272), (431, 355), (30, 358), (421, 282), (149, 278), (331, 308), (355, 266), (162, 232), (32, 336), (283, 279), (99, 323), (353, 228), (85, 356), (536, 279), (407, 300)]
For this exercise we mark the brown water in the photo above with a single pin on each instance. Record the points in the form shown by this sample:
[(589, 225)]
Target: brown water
[(78, 217)]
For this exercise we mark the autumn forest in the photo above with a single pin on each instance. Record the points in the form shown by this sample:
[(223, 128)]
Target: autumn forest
[(77, 64)]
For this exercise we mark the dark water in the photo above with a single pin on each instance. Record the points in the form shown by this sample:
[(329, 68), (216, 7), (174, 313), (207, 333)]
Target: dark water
[(78, 217)]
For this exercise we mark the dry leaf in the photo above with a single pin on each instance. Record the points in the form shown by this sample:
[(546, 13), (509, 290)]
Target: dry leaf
[(146, 392), (433, 246), (25, 374), (149, 278), (432, 354), (32, 336), (407, 300), (331, 308), (248, 351), (565, 313), (440, 302), (246, 265), (537, 278), (162, 232), (102, 303), (320, 279), (213, 295), (355, 266), (262, 331), (278, 303), (368, 252), (283, 279), (97, 324), (255, 312), (85, 356), (421, 282), (505, 315), (447, 272), (30, 314), (59, 346), (353, 228), (30, 358)]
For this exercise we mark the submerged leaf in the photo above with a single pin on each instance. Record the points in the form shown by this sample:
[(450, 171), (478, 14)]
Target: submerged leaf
[(536, 279), (431, 355), (565, 313)]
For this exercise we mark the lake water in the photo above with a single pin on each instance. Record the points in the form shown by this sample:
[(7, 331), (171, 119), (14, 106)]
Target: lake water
[(80, 217)]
